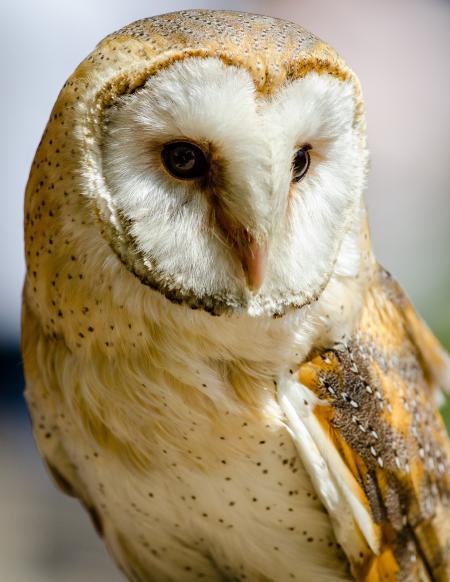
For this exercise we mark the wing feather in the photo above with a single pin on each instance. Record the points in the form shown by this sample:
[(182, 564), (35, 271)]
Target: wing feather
[(364, 409), (434, 360)]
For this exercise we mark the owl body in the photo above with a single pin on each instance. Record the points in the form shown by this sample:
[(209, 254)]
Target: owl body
[(215, 364), (195, 476)]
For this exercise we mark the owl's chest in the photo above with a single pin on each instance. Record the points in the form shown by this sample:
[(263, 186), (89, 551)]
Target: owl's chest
[(235, 495)]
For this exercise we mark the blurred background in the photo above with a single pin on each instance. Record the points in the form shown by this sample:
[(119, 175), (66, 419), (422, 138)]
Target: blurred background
[(400, 51)]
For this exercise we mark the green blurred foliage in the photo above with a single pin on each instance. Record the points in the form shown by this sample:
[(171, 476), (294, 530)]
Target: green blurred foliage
[(446, 414), (445, 410), (437, 314)]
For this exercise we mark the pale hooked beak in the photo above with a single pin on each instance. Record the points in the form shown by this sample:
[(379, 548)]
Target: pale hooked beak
[(253, 256), (251, 253)]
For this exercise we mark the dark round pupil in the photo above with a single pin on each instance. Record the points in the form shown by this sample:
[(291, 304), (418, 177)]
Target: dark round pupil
[(301, 163), (184, 160)]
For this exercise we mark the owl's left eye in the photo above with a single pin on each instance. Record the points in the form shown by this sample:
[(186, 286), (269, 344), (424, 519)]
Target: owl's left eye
[(184, 160), (301, 162)]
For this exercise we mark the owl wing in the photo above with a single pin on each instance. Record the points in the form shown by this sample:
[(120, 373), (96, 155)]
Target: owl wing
[(365, 422)]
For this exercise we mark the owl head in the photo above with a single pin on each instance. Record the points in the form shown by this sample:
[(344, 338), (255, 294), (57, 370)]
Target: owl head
[(220, 155)]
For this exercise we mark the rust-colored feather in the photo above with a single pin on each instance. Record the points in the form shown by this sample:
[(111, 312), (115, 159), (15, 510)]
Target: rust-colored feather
[(382, 418)]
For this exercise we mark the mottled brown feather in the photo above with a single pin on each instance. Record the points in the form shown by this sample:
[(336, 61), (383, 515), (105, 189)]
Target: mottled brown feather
[(384, 423)]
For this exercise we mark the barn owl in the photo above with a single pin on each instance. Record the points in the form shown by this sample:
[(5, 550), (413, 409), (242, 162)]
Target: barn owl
[(216, 365)]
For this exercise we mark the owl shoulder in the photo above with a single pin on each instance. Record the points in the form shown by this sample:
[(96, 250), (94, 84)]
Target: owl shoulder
[(373, 420)]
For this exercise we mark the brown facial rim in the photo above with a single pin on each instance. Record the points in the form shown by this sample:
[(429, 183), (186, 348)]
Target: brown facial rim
[(212, 304)]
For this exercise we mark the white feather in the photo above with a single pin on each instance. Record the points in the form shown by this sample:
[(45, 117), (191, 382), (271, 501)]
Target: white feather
[(205, 100), (332, 479)]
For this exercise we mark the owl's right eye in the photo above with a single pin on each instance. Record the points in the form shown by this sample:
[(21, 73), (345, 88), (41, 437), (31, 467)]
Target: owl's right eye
[(184, 160), (301, 163)]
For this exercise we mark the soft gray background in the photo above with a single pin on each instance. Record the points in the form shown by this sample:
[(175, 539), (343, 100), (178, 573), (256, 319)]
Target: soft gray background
[(399, 50)]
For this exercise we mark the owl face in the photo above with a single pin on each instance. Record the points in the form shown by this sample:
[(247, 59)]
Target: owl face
[(233, 200)]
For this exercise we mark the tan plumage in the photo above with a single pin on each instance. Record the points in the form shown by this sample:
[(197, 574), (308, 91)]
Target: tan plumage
[(193, 441)]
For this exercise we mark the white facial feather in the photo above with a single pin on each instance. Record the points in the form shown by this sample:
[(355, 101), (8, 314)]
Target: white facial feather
[(206, 101)]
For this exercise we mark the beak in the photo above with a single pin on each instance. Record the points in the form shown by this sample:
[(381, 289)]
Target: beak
[(251, 253), (253, 256)]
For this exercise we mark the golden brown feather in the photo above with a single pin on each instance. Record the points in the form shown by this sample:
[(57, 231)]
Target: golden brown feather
[(384, 423)]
